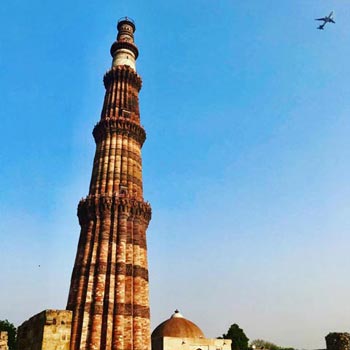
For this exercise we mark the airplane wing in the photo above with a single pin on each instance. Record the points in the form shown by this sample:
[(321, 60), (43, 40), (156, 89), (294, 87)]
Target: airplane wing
[(332, 20), (321, 19)]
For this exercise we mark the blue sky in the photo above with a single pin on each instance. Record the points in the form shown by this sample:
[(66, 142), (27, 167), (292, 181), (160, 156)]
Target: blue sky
[(246, 162)]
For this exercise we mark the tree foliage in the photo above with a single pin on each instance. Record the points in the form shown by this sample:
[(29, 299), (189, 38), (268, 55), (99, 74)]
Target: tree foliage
[(11, 330), (238, 337), (264, 344)]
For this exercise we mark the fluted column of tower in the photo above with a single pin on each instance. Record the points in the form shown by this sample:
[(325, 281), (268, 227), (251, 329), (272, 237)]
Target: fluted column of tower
[(109, 286)]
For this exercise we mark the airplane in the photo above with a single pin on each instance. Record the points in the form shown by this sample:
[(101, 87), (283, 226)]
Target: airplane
[(327, 19)]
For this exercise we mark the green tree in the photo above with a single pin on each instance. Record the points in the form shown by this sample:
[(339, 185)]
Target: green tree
[(238, 337), (11, 332), (264, 344)]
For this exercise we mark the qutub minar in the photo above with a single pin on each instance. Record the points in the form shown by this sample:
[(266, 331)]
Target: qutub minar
[(109, 286)]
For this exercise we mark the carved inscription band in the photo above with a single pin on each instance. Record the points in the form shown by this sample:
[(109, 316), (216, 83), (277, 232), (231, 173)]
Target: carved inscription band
[(119, 309), (119, 268), (97, 205)]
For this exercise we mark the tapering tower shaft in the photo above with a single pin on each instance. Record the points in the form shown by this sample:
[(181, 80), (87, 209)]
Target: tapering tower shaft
[(109, 286)]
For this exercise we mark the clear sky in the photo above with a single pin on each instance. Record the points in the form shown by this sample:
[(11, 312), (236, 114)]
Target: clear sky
[(246, 163)]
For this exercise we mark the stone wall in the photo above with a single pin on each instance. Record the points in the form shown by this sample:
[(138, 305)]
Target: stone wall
[(48, 330), (338, 341), (175, 343), (3, 340)]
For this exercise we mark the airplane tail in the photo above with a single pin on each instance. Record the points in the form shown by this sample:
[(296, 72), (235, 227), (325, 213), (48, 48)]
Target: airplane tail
[(320, 27)]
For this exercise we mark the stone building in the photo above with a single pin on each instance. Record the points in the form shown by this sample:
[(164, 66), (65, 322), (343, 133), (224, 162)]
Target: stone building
[(178, 333), (48, 330), (3, 340)]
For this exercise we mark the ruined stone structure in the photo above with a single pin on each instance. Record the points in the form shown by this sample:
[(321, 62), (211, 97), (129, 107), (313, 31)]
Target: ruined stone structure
[(338, 341), (109, 286), (48, 330), (3, 340)]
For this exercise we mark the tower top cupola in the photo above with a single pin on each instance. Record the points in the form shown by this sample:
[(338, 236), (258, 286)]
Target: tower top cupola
[(123, 50)]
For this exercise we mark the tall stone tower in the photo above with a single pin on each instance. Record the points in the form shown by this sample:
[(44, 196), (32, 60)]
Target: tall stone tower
[(109, 286)]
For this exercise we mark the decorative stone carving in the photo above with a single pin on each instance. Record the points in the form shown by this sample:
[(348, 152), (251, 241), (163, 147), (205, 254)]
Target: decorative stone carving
[(119, 126)]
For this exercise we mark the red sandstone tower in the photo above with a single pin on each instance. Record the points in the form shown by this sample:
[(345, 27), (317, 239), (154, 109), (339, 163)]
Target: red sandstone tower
[(109, 286)]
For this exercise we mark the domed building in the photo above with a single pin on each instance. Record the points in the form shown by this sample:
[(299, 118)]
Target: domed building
[(178, 333)]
